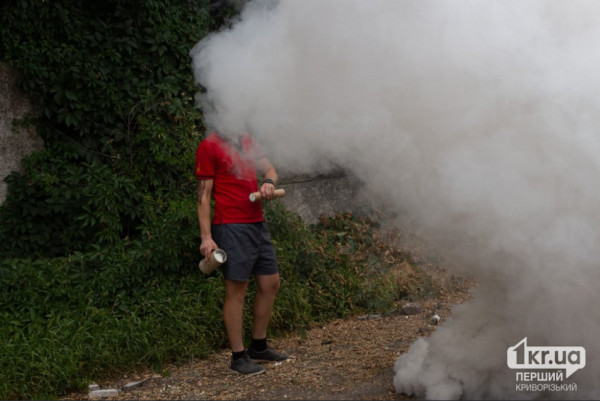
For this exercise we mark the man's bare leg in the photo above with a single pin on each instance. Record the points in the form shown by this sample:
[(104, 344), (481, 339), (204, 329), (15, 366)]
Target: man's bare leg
[(267, 289), (233, 311)]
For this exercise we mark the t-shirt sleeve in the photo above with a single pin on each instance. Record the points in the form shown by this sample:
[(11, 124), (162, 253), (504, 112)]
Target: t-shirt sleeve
[(205, 162)]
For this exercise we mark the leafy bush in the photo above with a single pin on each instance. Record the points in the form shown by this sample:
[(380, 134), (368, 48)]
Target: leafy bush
[(64, 324), (68, 320), (112, 84)]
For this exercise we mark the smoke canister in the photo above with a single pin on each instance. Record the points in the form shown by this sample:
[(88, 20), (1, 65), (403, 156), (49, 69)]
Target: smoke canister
[(255, 196), (217, 258)]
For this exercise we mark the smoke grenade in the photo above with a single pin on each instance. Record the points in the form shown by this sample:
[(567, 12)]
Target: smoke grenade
[(256, 196), (217, 258)]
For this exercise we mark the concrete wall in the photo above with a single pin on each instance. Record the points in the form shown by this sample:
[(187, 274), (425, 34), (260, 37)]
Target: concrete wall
[(15, 143), (313, 196)]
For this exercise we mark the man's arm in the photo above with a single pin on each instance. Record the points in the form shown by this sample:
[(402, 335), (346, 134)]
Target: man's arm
[(267, 190), (203, 194)]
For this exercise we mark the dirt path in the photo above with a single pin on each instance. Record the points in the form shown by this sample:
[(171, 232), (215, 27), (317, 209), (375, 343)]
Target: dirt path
[(349, 359)]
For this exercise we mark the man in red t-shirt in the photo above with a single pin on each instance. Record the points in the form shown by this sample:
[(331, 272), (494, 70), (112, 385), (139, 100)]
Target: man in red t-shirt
[(226, 169)]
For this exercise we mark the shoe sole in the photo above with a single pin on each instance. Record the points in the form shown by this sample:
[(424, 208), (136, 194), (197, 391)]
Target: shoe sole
[(250, 374), (258, 358)]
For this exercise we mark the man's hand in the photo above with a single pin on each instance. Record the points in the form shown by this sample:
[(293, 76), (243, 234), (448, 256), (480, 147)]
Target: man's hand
[(207, 247), (267, 191)]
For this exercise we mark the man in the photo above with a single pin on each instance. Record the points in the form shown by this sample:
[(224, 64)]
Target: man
[(226, 168)]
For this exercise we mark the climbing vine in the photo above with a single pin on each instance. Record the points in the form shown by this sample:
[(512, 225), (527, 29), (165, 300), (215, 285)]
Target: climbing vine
[(113, 92)]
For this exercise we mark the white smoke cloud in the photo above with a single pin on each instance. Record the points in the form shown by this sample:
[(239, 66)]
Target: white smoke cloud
[(479, 121)]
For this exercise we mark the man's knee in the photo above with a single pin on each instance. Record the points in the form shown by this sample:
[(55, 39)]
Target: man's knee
[(269, 285), (235, 291)]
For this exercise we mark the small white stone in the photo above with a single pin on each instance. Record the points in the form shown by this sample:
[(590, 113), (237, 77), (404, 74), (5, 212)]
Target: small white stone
[(108, 393), (132, 385)]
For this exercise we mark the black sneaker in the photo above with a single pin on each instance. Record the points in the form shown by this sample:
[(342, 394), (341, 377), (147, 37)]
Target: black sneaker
[(267, 355), (246, 367)]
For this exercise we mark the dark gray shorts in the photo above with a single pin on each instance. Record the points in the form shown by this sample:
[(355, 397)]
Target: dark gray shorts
[(249, 250)]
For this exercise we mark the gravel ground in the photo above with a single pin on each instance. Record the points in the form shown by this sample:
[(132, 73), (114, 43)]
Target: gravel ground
[(349, 359)]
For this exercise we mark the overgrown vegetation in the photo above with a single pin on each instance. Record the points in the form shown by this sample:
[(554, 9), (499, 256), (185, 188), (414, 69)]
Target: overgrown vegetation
[(98, 234), (69, 320), (114, 93)]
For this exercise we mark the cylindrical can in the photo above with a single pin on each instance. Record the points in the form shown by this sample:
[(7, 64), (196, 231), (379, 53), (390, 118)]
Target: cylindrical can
[(256, 196), (217, 258)]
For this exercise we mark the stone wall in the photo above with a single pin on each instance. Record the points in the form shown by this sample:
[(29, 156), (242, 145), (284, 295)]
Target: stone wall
[(15, 143)]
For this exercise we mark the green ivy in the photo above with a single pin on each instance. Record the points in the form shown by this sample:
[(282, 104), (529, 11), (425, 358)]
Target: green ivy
[(113, 90)]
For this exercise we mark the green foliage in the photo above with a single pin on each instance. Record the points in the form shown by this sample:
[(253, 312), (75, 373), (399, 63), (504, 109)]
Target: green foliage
[(330, 270), (65, 321), (62, 206), (114, 95)]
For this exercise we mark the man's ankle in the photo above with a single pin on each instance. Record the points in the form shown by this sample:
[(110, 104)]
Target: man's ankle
[(237, 355), (259, 345)]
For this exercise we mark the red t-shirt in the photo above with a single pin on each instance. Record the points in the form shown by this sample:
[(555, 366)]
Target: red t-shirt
[(233, 171)]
